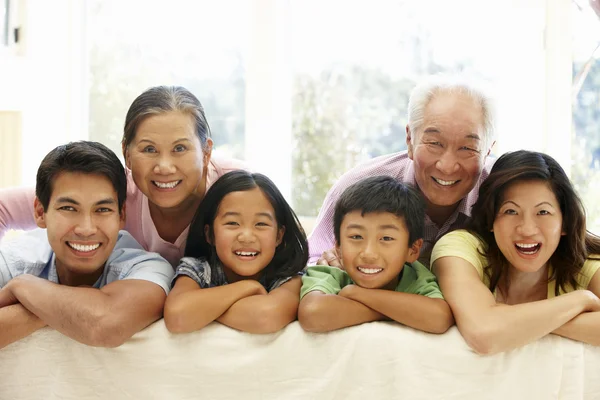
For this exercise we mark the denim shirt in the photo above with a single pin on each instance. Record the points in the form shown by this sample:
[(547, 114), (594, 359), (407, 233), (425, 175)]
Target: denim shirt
[(31, 254)]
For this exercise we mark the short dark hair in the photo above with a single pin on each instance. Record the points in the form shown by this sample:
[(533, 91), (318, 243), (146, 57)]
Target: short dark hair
[(382, 194), (574, 247), (162, 99), (85, 157), (290, 256)]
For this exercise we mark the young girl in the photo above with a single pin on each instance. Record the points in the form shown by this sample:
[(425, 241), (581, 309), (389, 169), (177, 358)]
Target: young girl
[(526, 267), (244, 255)]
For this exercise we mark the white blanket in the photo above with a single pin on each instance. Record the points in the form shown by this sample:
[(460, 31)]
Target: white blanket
[(371, 361)]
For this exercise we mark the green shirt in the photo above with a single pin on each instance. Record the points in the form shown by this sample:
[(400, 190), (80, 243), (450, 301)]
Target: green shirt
[(414, 278)]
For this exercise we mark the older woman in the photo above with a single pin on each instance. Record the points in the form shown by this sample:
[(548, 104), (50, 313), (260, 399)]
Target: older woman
[(526, 266), (167, 149)]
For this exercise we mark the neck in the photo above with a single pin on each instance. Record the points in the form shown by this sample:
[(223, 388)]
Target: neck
[(66, 277), (232, 277), (523, 285), (440, 214)]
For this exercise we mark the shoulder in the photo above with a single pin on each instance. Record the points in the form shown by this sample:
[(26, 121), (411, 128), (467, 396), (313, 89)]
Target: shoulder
[(128, 254), (322, 270), (28, 253), (199, 270), (221, 165), (462, 244), (590, 267)]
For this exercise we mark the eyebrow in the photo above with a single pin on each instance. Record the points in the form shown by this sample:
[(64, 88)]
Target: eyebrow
[(387, 226), (537, 205), (433, 130), (237, 214), (69, 200), (176, 141)]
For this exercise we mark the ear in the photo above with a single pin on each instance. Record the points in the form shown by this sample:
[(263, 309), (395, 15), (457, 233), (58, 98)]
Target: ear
[(414, 251), (280, 234), (38, 213), (122, 218), (208, 152), (126, 156), (409, 142), (207, 234)]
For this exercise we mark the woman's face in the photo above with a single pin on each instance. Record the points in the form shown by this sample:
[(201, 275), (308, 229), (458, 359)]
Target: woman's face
[(528, 225), (167, 161)]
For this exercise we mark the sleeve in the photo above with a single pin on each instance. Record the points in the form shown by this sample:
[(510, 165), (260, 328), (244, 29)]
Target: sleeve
[(16, 209), (197, 269), (590, 268), (461, 244), (426, 283), (5, 274), (149, 267), (329, 280)]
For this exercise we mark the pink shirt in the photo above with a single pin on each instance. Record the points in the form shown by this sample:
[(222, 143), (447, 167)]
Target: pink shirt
[(400, 167), (16, 211)]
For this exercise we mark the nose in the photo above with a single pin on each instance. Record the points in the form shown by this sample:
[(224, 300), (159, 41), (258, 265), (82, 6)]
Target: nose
[(527, 226), (369, 252), (448, 163), (164, 165), (85, 226), (246, 235)]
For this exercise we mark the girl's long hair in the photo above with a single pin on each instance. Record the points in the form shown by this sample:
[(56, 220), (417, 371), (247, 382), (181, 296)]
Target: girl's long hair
[(290, 256), (574, 247)]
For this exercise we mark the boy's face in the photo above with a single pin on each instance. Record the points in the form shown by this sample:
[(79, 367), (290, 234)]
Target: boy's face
[(374, 248), (83, 222)]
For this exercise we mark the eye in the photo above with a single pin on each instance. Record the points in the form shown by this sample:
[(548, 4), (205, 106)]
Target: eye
[(355, 237), (179, 148), (149, 149), (231, 223), (544, 212), (469, 149), (387, 238), (262, 224), (104, 210), (509, 211), (435, 144), (67, 208)]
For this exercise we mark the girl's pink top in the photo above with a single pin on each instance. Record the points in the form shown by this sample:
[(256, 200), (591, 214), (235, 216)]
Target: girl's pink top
[(16, 211)]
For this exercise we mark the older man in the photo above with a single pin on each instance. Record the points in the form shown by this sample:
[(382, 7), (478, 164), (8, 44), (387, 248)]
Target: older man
[(449, 136)]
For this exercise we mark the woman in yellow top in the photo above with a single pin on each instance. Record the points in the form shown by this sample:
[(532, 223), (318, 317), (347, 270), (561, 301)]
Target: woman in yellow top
[(526, 266)]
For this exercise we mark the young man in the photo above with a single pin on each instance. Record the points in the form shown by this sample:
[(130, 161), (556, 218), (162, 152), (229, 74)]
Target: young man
[(80, 276), (449, 136), (378, 225)]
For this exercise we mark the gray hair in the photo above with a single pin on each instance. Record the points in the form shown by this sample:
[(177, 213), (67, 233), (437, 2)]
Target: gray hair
[(162, 99), (425, 91)]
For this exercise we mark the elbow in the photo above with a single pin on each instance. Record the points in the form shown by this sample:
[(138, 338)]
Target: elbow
[(481, 341), (175, 319), (107, 335), (444, 321), (311, 316)]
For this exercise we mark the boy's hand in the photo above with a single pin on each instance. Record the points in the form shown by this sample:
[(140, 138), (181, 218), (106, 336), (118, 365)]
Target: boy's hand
[(330, 258), (349, 291)]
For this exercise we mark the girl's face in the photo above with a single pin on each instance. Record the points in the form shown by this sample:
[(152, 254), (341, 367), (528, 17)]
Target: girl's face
[(167, 161), (245, 234), (528, 225)]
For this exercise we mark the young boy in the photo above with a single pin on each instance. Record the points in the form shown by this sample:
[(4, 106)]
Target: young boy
[(80, 276), (378, 227)]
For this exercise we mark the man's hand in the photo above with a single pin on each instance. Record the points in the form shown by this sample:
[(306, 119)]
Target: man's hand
[(330, 257)]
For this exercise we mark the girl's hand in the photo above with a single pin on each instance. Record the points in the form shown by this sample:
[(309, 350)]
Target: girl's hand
[(254, 287), (591, 301)]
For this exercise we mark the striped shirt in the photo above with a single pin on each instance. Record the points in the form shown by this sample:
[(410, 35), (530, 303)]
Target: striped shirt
[(400, 167)]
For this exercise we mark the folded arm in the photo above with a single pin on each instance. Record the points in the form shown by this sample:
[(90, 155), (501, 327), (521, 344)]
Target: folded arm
[(190, 308), (16, 322), (417, 311), (104, 317), (320, 312), (584, 327), (491, 328), (265, 313)]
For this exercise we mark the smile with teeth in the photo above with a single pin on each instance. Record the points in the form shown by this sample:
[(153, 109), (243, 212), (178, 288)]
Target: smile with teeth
[(84, 248), (166, 185), (528, 248), (445, 183), (246, 253), (369, 271)]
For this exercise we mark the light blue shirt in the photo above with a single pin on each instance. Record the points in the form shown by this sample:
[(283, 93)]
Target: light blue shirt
[(30, 253)]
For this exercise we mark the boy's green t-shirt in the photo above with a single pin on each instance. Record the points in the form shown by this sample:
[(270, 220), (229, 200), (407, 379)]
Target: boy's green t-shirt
[(415, 279)]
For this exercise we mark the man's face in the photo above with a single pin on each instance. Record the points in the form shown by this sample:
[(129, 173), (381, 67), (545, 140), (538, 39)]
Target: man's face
[(82, 222), (374, 247), (448, 151)]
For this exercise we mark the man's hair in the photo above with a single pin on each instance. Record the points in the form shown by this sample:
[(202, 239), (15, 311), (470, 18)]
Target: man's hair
[(382, 194), (84, 157), (476, 90)]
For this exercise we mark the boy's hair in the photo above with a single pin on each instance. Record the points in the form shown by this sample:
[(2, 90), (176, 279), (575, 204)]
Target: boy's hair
[(85, 157), (290, 256), (382, 194)]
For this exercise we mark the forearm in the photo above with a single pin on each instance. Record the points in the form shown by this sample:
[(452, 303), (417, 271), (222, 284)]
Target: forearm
[(503, 327), (259, 314), (416, 311), (16, 322), (584, 328), (84, 314), (192, 310), (328, 312)]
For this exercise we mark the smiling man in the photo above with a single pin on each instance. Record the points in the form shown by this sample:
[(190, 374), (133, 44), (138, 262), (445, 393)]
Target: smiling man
[(449, 136), (81, 275)]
